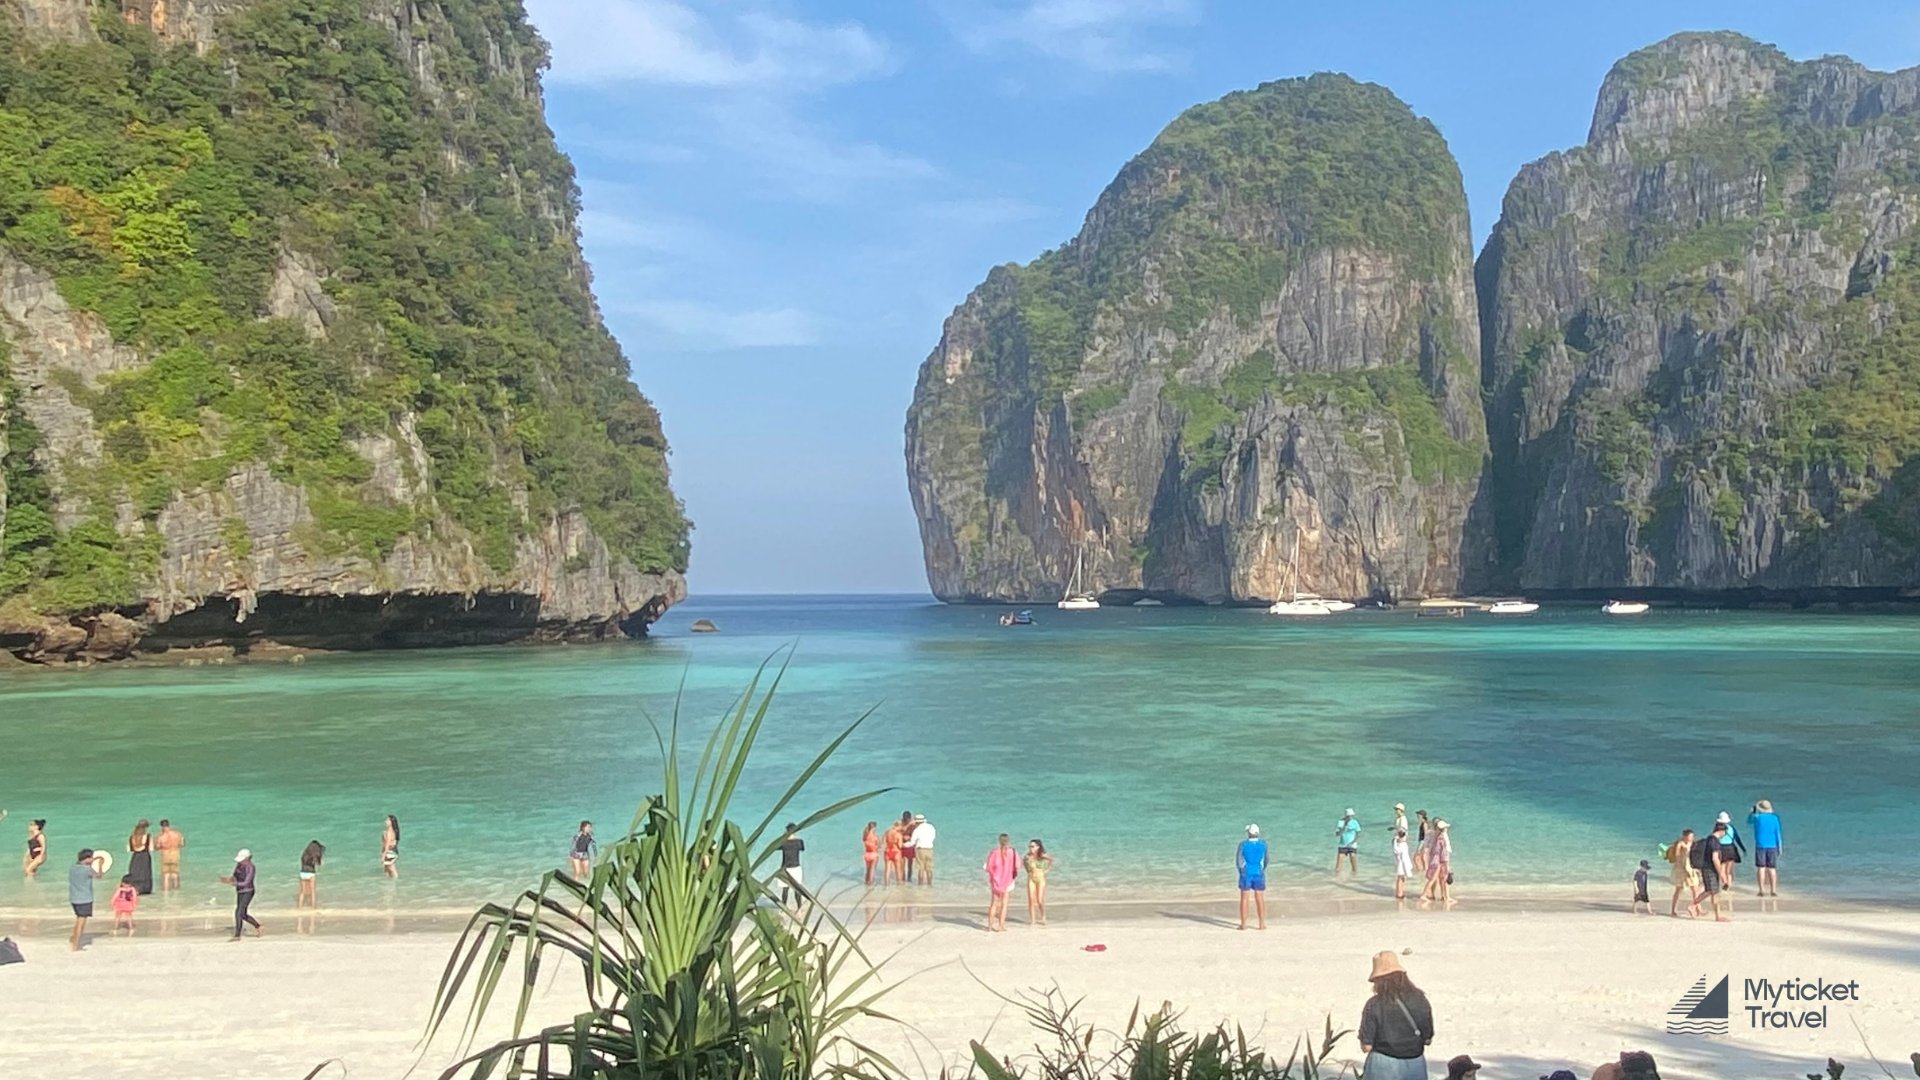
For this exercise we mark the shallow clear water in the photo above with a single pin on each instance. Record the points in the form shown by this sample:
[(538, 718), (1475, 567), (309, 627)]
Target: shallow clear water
[(1138, 742)]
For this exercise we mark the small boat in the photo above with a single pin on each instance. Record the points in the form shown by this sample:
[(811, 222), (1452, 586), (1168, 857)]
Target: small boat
[(1625, 607), (1306, 607), (1443, 607), (1512, 607), (1020, 618), (1077, 599)]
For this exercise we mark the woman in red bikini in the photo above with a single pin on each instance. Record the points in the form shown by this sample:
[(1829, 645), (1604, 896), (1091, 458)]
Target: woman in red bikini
[(870, 849)]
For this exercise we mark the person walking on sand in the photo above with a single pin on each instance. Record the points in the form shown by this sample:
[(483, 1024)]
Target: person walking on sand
[(792, 878), (1766, 847), (1402, 862), (1684, 877), (242, 881), (1346, 834), (893, 868), (140, 858), (36, 847), (1038, 863), (1711, 856), (390, 847), (1003, 864), (80, 878), (126, 897), (1640, 889), (870, 848), (1396, 1025), (1250, 861), (581, 852), (168, 844), (922, 840), (311, 857)]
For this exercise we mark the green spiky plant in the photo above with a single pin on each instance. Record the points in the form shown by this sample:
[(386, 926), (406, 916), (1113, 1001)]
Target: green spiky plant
[(1154, 1048), (691, 972)]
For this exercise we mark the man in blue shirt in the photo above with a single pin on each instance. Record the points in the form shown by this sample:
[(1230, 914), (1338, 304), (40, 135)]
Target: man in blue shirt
[(1766, 847), (1346, 833), (1251, 860), (80, 894)]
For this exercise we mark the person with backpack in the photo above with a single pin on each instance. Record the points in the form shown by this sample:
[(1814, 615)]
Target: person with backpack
[(1684, 877)]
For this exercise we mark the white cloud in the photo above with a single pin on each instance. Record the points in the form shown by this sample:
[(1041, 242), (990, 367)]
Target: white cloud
[(1106, 36), (698, 325), (796, 160), (602, 42)]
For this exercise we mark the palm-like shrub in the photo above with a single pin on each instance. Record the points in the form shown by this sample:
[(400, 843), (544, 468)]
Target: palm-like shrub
[(691, 972)]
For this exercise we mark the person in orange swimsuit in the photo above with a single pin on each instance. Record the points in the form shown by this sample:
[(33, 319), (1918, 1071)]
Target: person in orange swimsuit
[(870, 849), (895, 868)]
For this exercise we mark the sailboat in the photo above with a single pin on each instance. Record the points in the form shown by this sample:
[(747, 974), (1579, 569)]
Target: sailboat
[(1299, 603), (1077, 599)]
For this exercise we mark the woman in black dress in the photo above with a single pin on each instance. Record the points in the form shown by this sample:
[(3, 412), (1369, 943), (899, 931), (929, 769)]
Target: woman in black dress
[(140, 864)]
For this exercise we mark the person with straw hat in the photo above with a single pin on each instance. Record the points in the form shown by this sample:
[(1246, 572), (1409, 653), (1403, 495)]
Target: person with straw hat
[(1396, 1024), (1766, 847)]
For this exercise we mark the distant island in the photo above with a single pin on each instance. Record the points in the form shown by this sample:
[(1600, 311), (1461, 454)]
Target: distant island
[(297, 344), (1687, 360)]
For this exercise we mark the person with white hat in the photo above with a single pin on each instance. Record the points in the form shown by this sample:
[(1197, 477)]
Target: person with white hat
[(1766, 847), (1736, 849), (1346, 833), (1251, 861), (242, 881), (1396, 1025)]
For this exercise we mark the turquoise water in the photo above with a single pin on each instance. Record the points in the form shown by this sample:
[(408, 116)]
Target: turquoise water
[(1138, 742)]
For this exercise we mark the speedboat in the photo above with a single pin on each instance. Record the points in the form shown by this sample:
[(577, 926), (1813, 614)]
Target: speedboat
[(1512, 607), (1625, 607), (1304, 605)]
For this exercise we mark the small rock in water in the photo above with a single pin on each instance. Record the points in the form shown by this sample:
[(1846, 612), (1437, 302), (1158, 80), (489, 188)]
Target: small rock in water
[(704, 626)]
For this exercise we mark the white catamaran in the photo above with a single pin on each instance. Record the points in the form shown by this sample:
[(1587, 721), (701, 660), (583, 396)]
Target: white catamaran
[(1299, 603)]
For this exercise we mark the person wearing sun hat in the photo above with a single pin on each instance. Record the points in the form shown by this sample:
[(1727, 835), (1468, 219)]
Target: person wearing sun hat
[(1766, 847), (1400, 817), (242, 881), (1463, 1067), (1346, 834), (1396, 1025), (1250, 859)]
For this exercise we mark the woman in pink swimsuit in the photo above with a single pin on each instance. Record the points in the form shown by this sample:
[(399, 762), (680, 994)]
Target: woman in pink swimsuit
[(1002, 864)]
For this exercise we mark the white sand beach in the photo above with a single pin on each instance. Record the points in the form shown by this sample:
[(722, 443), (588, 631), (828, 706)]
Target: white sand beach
[(1522, 991)]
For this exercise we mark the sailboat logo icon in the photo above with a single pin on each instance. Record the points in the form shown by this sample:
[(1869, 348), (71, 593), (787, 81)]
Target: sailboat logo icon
[(1701, 1011)]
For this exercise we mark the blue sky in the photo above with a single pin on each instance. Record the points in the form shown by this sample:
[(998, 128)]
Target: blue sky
[(784, 199)]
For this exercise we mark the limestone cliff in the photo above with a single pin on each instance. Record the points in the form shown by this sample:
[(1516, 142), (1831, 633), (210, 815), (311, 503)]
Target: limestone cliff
[(1702, 332), (1254, 371), (296, 342)]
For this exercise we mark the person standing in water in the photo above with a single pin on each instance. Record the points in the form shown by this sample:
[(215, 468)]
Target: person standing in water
[(1250, 860), (310, 860), (922, 838), (169, 843), (242, 881), (1766, 847), (907, 851), (580, 854), (891, 869), (390, 847), (1346, 834), (1402, 863), (1400, 818), (80, 894), (36, 847), (140, 858), (1003, 864), (1038, 863), (1420, 842), (126, 898), (870, 848), (1440, 864)]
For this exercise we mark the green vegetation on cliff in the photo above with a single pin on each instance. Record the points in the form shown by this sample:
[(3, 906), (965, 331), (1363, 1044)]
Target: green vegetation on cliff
[(161, 186)]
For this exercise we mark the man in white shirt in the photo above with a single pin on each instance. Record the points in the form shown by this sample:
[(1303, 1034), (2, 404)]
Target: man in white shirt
[(922, 841)]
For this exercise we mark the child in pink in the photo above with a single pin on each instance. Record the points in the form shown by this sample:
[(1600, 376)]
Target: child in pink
[(125, 899)]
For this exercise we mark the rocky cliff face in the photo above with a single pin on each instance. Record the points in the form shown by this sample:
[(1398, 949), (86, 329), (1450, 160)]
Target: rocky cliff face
[(1701, 332), (283, 360), (1254, 371)]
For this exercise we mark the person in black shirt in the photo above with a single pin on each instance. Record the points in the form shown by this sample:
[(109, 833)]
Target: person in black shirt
[(1716, 871), (1396, 1025), (790, 849)]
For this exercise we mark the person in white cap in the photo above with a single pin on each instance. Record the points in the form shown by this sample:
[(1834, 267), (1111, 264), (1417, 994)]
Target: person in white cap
[(1251, 861), (1736, 847), (1346, 833), (242, 882)]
